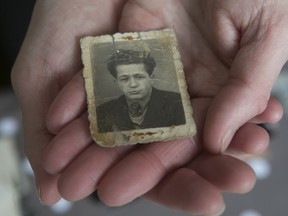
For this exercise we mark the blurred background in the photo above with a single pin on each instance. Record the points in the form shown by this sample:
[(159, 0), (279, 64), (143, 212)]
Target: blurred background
[(17, 192)]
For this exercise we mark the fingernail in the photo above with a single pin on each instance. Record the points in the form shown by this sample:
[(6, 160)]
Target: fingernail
[(39, 193), (219, 213), (215, 214), (226, 140)]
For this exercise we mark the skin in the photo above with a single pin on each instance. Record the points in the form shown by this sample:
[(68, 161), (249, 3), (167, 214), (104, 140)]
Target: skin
[(232, 54), (134, 81)]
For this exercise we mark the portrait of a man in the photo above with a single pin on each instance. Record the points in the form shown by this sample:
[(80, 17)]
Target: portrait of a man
[(141, 105)]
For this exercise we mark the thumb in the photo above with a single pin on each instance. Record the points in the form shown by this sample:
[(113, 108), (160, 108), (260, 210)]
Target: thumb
[(253, 72)]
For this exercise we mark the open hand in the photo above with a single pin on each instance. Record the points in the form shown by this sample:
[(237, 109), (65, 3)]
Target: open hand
[(231, 61)]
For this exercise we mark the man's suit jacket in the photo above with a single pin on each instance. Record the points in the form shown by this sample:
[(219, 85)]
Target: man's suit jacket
[(163, 110)]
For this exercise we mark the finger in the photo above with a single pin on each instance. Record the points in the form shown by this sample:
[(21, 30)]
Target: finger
[(84, 173), (68, 143), (197, 187), (249, 139), (272, 114), (253, 73), (68, 104), (185, 190), (46, 184), (133, 13), (225, 172), (142, 169), (36, 138)]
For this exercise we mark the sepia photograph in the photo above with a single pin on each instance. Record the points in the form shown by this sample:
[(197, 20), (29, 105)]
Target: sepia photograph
[(136, 88)]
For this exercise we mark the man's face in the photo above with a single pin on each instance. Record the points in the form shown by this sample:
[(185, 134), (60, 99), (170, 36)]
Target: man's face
[(134, 81)]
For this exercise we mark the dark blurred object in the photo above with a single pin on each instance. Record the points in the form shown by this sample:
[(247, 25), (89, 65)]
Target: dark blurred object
[(14, 20)]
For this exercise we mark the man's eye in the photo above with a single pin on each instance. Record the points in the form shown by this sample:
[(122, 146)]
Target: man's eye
[(124, 79), (138, 77)]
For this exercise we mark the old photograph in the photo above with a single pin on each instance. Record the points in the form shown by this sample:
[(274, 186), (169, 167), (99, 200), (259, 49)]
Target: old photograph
[(136, 89)]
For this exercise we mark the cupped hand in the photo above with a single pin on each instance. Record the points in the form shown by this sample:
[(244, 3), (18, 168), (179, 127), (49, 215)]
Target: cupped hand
[(231, 61)]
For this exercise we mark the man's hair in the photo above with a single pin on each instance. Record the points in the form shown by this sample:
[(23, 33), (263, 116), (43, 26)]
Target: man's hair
[(126, 57)]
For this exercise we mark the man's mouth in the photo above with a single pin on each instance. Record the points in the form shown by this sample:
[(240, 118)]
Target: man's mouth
[(134, 92)]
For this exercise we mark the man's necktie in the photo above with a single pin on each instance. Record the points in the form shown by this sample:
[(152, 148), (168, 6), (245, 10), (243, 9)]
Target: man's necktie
[(135, 110)]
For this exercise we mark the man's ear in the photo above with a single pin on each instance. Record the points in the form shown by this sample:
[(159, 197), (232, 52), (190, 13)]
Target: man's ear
[(116, 82), (152, 79)]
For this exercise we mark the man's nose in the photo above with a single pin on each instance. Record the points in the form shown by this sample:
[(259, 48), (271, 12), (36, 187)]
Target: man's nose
[(133, 82)]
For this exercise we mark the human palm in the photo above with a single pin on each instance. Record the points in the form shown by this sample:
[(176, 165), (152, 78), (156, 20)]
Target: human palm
[(222, 60)]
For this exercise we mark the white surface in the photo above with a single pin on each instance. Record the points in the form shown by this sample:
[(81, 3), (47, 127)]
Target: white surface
[(26, 167), (8, 126), (261, 167), (9, 179), (250, 213), (62, 206)]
